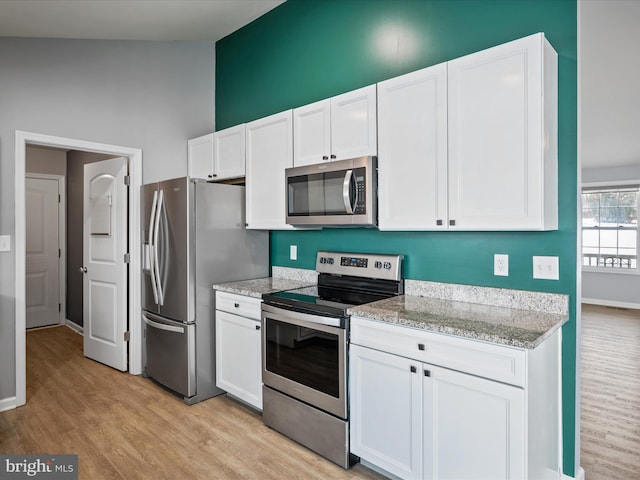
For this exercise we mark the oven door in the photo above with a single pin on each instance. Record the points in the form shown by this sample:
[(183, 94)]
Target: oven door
[(305, 356)]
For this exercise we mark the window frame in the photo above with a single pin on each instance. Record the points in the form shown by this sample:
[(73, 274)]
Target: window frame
[(604, 186)]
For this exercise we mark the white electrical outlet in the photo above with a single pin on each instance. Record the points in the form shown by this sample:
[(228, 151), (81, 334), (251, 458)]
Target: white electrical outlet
[(5, 243), (293, 252), (546, 268), (501, 265)]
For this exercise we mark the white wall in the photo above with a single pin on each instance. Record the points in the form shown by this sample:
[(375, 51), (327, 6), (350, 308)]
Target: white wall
[(148, 95), (616, 289)]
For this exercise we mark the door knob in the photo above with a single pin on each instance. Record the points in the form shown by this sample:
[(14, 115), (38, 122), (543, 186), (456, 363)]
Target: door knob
[(83, 269)]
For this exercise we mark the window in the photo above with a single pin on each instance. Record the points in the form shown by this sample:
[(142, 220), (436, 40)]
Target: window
[(610, 227)]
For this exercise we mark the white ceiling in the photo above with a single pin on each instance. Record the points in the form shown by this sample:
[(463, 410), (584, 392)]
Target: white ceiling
[(609, 65), (163, 20)]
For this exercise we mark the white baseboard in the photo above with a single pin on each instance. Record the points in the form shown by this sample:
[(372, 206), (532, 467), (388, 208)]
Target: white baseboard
[(7, 404), (610, 303), (75, 327), (579, 475)]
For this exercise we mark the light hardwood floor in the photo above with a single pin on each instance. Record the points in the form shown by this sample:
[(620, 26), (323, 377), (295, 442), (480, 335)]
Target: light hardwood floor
[(126, 427), (610, 418)]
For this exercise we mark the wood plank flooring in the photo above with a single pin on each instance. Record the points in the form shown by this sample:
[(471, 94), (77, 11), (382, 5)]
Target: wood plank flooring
[(610, 417), (126, 427)]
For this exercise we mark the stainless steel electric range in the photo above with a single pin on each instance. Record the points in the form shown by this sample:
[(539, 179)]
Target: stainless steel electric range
[(305, 341)]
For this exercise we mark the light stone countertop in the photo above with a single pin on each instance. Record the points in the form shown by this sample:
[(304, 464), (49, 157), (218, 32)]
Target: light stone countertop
[(509, 317), (501, 325), (255, 288), (284, 278)]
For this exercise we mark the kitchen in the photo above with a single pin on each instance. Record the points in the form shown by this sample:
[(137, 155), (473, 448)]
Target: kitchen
[(450, 257)]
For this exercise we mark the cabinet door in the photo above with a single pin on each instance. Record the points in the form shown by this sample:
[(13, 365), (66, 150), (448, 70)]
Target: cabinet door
[(412, 151), (386, 411), (312, 133), (473, 427), (269, 152), (353, 124), (200, 157), (496, 138), (238, 357), (229, 153)]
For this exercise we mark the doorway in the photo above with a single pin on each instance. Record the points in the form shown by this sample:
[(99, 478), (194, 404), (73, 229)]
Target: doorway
[(134, 157)]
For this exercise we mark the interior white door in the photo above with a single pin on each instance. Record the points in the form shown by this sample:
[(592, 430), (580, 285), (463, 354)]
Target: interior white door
[(105, 270), (42, 252)]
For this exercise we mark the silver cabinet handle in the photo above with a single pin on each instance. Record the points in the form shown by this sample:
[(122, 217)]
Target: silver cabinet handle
[(83, 269)]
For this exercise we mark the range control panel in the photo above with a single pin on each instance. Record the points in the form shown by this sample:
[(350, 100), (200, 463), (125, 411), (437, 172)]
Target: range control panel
[(368, 265)]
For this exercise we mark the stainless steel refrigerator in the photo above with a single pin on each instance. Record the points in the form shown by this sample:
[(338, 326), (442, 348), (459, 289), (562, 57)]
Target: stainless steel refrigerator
[(194, 236)]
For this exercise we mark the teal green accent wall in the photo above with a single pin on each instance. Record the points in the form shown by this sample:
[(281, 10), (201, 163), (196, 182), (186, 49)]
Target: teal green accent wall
[(307, 50)]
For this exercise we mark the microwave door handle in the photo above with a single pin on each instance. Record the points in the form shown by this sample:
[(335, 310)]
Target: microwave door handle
[(346, 189)]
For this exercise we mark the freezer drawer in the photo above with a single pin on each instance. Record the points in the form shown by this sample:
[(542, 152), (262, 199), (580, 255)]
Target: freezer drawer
[(170, 348)]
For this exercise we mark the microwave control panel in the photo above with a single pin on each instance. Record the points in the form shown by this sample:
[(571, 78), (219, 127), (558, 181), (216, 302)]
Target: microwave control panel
[(360, 206)]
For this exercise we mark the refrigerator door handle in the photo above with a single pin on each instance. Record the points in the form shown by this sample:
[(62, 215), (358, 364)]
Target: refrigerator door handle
[(156, 269), (162, 326), (152, 247)]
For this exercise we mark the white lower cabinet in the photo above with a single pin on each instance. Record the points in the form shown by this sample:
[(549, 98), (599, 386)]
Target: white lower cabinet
[(386, 411), (238, 347), (416, 420), (473, 427)]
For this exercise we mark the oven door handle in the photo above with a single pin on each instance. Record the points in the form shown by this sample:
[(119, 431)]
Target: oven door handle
[(318, 322)]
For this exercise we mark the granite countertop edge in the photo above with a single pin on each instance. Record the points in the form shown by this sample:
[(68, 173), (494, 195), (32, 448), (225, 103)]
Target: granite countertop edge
[(282, 278), (499, 325)]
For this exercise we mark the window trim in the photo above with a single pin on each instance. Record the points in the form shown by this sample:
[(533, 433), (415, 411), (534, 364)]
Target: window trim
[(591, 187)]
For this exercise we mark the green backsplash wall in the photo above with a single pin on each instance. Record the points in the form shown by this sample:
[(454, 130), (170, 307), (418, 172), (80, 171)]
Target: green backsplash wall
[(307, 50)]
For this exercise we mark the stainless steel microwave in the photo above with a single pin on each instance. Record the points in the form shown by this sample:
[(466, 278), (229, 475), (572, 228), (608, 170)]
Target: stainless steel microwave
[(341, 193)]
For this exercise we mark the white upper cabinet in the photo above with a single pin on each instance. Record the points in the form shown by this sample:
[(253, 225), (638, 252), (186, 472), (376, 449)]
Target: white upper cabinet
[(200, 157), (229, 152), (312, 133), (503, 105), (412, 150), (337, 128), (269, 152), (219, 155), (471, 144)]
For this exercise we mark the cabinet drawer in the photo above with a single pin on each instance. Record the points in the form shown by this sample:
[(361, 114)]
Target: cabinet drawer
[(495, 362), (238, 304)]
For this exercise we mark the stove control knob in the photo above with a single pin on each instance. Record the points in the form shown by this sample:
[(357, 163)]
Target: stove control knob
[(377, 264), (387, 265)]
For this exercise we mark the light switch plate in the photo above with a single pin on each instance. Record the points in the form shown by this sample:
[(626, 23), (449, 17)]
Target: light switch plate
[(293, 252), (546, 268), (5, 243)]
